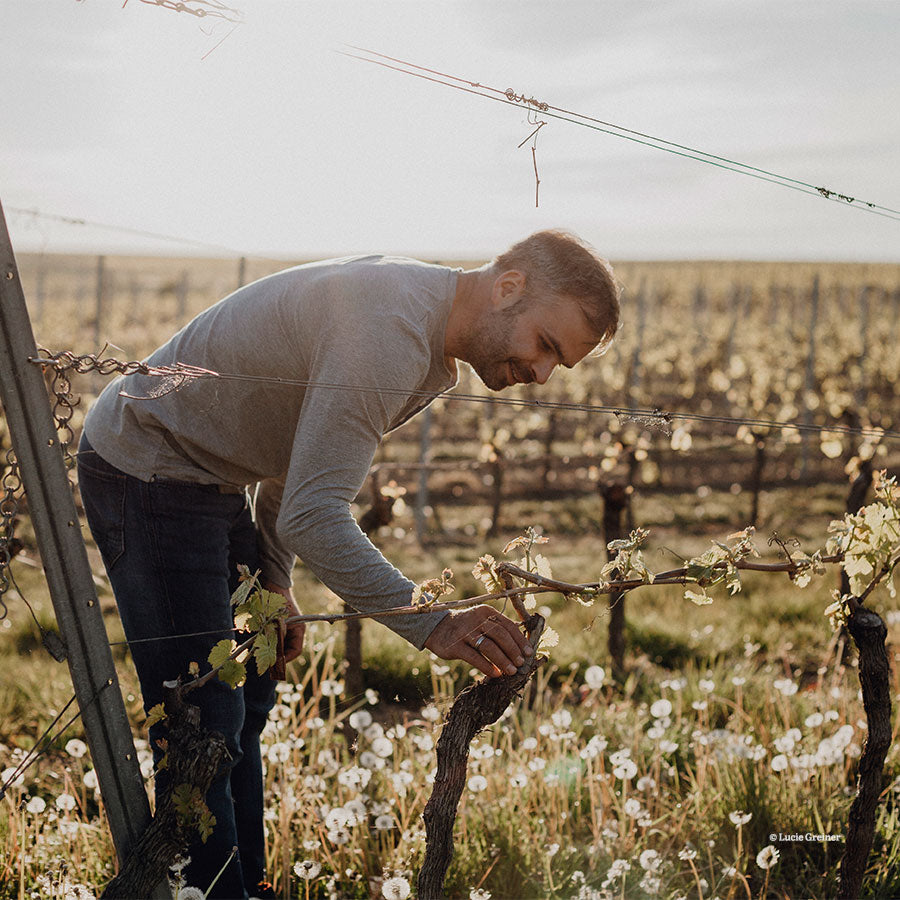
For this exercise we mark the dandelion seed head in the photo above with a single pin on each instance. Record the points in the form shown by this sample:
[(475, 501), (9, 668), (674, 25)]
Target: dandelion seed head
[(36, 805), (65, 802), (307, 869), (76, 748), (594, 677), (396, 888)]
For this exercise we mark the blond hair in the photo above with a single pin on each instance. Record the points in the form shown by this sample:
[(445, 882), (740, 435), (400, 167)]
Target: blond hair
[(559, 265)]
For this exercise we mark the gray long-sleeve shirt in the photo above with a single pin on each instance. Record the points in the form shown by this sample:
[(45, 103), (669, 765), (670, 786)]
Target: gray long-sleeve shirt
[(367, 322)]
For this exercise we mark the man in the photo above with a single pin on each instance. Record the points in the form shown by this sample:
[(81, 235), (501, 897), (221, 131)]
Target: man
[(362, 344)]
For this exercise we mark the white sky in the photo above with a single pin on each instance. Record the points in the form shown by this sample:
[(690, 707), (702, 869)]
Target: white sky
[(273, 144)]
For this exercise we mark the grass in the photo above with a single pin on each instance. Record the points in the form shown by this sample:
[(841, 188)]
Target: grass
[(551, 818)]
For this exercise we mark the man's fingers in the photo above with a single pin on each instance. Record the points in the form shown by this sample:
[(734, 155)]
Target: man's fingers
[(501, 636), (521, 641), (478, 660), (293, 641)]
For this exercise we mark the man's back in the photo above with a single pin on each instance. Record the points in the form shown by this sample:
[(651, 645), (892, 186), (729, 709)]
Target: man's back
[(375, 322)]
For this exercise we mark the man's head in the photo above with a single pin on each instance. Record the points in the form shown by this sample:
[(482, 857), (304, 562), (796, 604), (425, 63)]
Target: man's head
[(549, 300)]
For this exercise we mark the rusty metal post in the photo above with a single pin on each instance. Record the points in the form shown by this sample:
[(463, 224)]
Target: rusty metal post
[(56, 525)]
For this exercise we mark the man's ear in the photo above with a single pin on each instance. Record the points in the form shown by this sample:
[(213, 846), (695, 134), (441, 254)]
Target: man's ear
[(507, 289)]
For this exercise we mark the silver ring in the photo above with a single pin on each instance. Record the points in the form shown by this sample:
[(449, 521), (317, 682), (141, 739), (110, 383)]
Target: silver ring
[(479, 642)]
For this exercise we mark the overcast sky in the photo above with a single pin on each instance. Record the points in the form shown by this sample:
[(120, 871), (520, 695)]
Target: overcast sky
[(264, 140)]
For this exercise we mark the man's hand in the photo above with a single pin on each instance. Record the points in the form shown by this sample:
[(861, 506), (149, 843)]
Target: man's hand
[(483, 638), (293, 635)]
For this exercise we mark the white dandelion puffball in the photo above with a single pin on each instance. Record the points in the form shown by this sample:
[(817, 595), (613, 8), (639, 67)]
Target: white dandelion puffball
[(477, 783), (36, 805), (626, 771), (308, 869), (191, 893), (661, 708), (360, 719), (594, 677), (8, 773), (779, 763), (739, 818), (76, 748), (767, 857), (331, 688), (65, 802), (396, 888), (382, 747)]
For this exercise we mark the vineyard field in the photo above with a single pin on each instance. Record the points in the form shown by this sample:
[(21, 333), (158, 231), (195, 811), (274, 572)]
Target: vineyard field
[(734, 725)]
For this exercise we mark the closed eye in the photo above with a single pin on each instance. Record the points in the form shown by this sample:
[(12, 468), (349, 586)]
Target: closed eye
[(551, 346)]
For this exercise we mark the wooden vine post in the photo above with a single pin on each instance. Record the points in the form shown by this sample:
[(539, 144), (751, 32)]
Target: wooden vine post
[(869, 633), (194, 756), (56, 525), (615, 502), (476, 707)]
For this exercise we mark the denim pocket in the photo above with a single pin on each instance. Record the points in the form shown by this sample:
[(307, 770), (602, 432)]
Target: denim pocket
[(103, 496)]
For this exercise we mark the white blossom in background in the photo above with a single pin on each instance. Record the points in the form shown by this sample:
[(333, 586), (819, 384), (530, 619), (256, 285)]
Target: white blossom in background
[(36, 805), (594, 747), (339, 836), (191, 893), (626, 770), (396, 888), (6, 774), (356, 777), (661, 708), (331, 688), (360, 719), (785, 686), (594, 677), (76, 748), (382, 747), (739, 818), (767, 857), (307, 869), (65, 802), (431, 713), (477, 783)]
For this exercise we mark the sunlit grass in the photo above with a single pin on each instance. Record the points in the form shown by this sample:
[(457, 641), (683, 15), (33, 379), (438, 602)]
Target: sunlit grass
[(668, 785)]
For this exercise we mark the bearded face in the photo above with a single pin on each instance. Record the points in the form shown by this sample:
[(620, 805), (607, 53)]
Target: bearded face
[(490, 348)]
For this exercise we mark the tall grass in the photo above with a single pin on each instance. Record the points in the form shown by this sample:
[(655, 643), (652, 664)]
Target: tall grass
[(664, 786)]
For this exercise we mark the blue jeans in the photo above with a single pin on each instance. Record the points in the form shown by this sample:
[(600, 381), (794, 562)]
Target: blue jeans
[(171, 550)]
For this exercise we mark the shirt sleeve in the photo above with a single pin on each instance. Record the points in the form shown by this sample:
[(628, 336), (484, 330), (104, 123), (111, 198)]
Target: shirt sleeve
[(372, 373)]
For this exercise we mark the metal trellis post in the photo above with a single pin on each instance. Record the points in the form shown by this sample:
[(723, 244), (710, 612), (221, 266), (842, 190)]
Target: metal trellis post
[(56, 525)]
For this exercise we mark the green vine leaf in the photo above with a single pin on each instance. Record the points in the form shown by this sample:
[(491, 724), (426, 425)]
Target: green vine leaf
[(156, 714), (231, 672), (265, 649)]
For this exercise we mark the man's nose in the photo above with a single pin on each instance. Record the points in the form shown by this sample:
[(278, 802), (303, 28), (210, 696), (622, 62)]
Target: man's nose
[(543, 370)]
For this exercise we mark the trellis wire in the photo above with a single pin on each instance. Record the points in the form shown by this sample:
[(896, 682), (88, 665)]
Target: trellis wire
[(511, 98), (181, 373)]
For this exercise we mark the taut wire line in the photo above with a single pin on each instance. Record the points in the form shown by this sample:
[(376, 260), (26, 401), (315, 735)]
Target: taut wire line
[(511, 98), (179, 374)]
